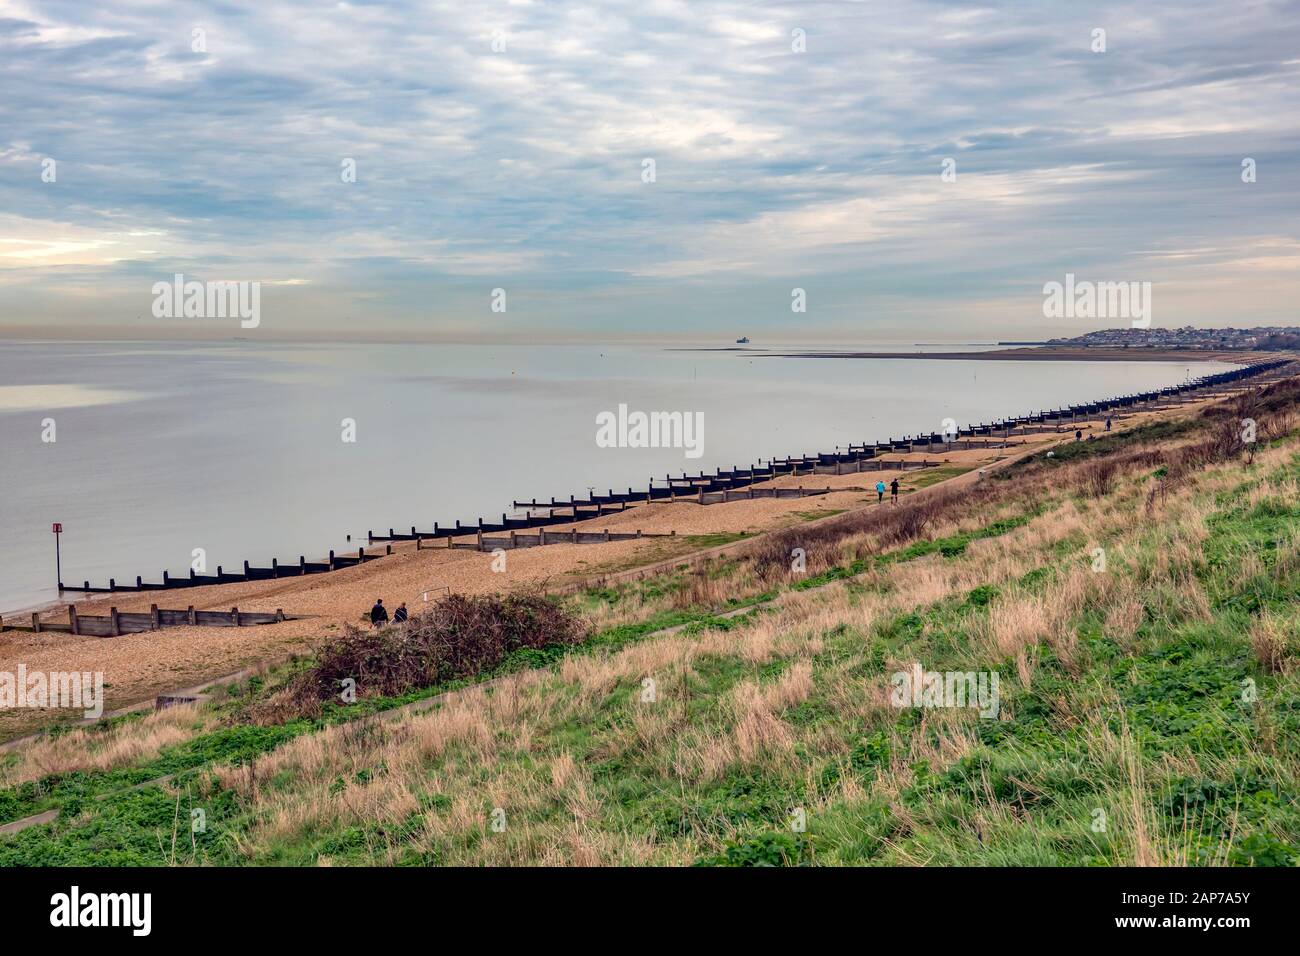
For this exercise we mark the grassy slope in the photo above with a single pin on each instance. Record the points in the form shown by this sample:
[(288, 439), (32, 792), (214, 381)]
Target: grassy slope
[(1137, 722)]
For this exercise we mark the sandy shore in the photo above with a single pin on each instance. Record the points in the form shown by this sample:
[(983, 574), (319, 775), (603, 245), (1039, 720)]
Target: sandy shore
[(137, 667)]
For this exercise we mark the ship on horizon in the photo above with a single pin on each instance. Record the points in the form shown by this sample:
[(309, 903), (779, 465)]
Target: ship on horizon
[(743, 340)]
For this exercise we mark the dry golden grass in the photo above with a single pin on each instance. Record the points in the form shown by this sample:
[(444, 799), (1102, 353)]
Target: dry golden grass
[(1276, 642), (1124, 614), (1019, 620), (104, 749)]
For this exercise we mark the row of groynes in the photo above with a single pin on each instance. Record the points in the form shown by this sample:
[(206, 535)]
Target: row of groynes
[(709, 489)]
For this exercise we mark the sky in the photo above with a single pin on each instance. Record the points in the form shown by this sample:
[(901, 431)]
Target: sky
[(505, 146)]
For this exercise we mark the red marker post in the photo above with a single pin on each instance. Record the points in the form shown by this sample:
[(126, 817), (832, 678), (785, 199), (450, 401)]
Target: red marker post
[(58, 569)]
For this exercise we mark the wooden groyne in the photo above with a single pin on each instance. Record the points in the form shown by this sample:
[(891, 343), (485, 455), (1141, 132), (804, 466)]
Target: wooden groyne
[(730, 484), (250, 573), (118, 622), (596, 506)]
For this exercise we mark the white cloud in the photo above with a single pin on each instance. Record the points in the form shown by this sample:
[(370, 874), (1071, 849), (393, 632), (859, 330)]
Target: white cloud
[(525, 165)]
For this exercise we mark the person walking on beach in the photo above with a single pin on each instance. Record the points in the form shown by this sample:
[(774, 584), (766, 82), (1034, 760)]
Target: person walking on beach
[(893, 491), (1107, 423), (378, 613), (880, 491), (1078, 434), (400, 614)]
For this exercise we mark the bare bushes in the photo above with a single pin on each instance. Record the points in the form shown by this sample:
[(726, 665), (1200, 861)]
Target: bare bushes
[(459, 637), (1097, 477)]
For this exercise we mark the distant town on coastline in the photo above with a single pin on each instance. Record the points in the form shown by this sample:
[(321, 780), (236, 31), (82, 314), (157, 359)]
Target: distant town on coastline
[(1261, 338)]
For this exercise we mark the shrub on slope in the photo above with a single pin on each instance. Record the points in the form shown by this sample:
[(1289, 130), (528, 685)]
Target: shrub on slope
[(460, 636)]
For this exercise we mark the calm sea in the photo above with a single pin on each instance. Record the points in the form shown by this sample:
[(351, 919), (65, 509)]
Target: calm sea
[(236, 448)]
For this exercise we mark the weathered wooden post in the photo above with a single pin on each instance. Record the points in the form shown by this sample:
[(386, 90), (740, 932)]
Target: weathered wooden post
[(114, 624), (36, 622), (234, 613), (72, 619), (190, 616), (155, 619)]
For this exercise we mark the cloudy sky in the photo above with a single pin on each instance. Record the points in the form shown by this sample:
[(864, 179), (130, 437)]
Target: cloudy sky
[(502, 145)]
